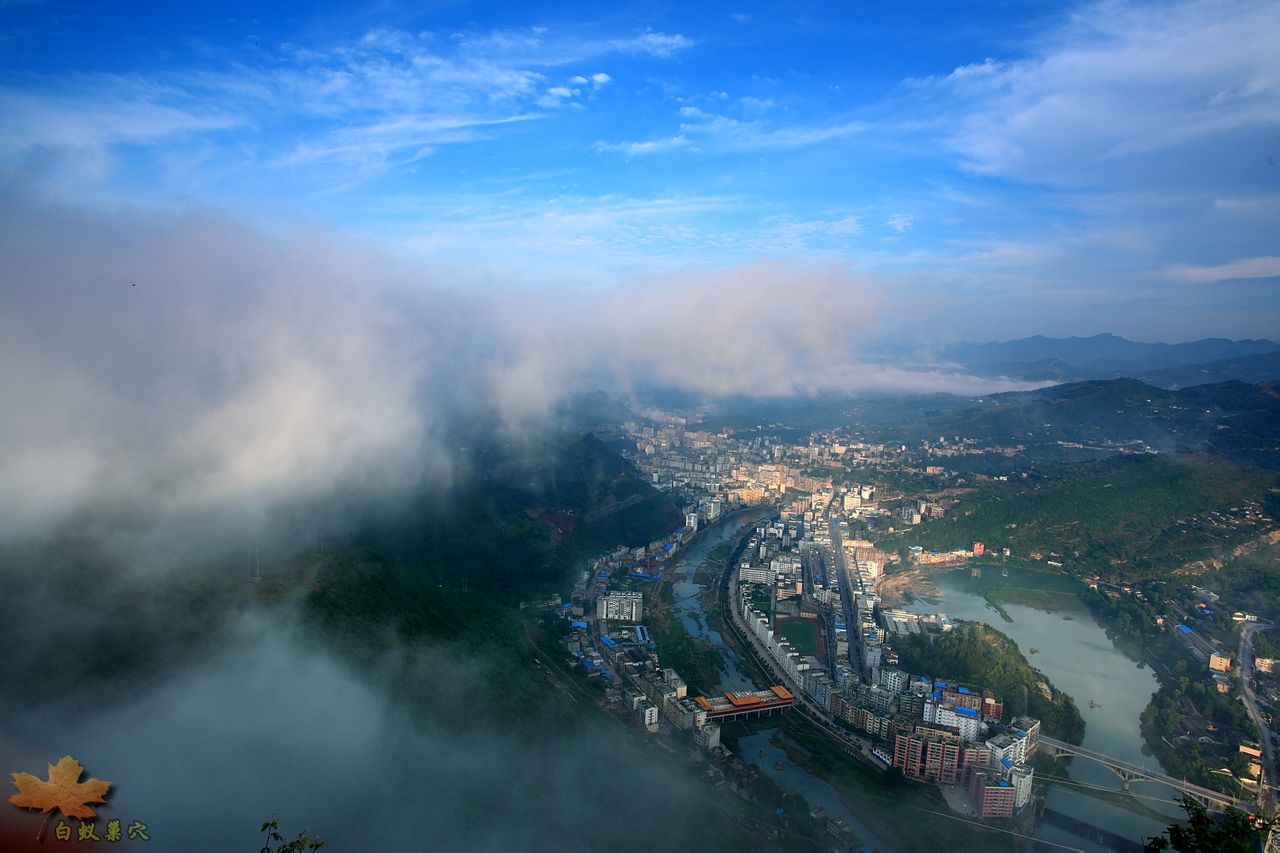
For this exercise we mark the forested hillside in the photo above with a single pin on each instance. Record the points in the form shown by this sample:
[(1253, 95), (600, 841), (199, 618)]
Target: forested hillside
[(980, 655), (1128, 516)]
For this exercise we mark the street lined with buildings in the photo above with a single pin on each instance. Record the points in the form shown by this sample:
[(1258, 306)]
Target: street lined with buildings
[(801, 595)]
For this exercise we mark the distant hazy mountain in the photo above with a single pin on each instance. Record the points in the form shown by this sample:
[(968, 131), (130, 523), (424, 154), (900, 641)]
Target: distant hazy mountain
[(1233, 419), (1102, 356), (1248, 368), (592, 409)]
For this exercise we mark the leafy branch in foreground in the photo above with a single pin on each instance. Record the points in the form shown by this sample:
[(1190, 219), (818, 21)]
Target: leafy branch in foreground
[(1233, 831), (301, 844)]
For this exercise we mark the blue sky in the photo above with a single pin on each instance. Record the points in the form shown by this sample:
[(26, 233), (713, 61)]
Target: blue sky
[(996, 169)]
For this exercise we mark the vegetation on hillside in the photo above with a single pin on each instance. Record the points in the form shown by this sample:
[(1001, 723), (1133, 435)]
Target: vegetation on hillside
[(1186, 693), (1232, 832), (1127, 516), (1232, 419), (517, 521), (1251, 581), (980, 655)]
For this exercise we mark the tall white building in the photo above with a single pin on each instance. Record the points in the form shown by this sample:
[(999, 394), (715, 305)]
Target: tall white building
[(622, 606), (964, 719), (893, 679), (1021, 777)]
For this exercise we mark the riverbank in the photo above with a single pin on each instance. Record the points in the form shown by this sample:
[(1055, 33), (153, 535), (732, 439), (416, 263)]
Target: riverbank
[(1110, 684), (900, 589), (976, 653), (1183, 695), (904, 814)]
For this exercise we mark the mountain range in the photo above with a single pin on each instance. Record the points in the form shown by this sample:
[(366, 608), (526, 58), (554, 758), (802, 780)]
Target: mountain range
[(1108, 356)]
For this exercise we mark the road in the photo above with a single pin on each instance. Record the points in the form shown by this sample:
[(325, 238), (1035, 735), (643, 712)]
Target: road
[(852, 744), (846, 591), (1195, 639), (1245, 656)]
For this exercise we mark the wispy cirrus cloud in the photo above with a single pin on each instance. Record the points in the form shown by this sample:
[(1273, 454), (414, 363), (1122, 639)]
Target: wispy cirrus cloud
[(644, 147), (1267, 267), (726, 133), (662, 45), (901, 222), (365, 105), (1128, 92)]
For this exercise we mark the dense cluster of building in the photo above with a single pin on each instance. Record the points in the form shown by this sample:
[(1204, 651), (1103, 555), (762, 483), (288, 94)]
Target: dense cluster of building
[(805, 595), (934, 730)]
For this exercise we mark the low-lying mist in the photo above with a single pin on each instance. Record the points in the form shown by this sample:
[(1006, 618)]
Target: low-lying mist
[(270, 721), (187, 363), (181, 390)]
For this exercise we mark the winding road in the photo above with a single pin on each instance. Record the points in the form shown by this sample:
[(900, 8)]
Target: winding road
[(1267, 800)]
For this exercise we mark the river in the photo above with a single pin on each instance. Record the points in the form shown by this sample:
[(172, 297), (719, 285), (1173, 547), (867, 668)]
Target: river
[(1074, 652), (755, 749), (1078, 657), (772, 760), (687, 592)]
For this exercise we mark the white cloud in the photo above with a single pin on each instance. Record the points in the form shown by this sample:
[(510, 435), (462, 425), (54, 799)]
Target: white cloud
[(1127, 92), (355, 107), (787, 236), (726, 133), (650, 146), (75, 125), (901, 222), (1267, 267), (661, 45), (556, 96)]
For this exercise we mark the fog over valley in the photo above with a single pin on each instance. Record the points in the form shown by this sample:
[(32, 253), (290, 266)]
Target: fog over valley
[(480, 428)]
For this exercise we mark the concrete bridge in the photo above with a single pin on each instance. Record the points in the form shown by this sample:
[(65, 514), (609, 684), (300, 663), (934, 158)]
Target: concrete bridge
[(1211, 800)]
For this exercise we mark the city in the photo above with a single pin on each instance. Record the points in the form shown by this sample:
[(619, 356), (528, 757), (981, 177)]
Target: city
[(728, 426), (803, 601)]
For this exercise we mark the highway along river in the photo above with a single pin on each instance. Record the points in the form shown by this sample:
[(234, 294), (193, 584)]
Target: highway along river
[(1076, 655), (756, 749)]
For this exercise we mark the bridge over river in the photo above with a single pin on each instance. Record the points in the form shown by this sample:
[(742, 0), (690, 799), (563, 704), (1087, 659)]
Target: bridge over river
[(1212, 800)]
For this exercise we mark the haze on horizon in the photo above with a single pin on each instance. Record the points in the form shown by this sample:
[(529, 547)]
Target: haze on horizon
[(261, 259), (985, 173)]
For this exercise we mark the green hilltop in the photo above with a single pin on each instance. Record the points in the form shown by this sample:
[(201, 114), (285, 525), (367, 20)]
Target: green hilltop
[(1133, 516), (981, 655)]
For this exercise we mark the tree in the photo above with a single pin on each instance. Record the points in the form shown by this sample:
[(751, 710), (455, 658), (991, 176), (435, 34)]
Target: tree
[(1231, 832)]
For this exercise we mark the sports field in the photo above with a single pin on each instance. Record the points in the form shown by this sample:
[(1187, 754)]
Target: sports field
[(802, 634)]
